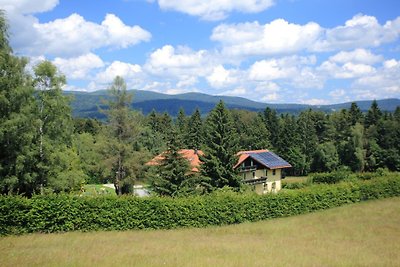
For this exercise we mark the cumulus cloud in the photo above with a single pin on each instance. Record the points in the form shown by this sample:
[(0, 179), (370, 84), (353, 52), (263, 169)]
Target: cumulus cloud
[(181, 64), (28, 6), (216, 9), (382, 84), (282, 37), (78, 67), (221, 77), (315, 101), (276, 37), (75, 36), (70, 36), (346, 71), (359, 55), (238, 91), (117, 68), (360, 31), (294, 70), (183, 60)]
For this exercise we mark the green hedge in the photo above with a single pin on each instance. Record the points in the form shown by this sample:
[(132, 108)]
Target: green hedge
[(61, 213)]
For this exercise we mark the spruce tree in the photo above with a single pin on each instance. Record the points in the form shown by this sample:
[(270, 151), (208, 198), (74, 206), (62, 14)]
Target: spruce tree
[(181, 122), (173, 176), (355, 114), (271, 121), (373, 116), (220, 149), (194, 138)]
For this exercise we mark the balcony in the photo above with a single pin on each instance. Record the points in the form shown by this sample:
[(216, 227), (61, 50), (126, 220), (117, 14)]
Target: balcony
[(255, 181), (248, 168)]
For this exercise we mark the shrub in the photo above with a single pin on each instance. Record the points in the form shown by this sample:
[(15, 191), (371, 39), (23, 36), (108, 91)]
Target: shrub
[(61, 213), (330, 177)]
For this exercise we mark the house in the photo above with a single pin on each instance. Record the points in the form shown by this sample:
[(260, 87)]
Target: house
[(261, 168), (192, 155)]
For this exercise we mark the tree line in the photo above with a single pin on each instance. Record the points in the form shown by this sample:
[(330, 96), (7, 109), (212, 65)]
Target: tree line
[(44, 149)]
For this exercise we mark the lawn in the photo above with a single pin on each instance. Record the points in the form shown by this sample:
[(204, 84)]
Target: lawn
[(363, 234), (98, 189), (295, 179)]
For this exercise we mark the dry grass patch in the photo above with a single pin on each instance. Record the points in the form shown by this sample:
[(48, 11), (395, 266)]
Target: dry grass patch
[(364, 234)]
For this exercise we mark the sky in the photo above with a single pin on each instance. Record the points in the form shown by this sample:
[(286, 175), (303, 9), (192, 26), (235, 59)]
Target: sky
[(274, 51)]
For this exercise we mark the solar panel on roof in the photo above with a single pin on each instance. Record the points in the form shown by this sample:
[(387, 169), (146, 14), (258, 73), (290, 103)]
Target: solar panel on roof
[(270, 159)]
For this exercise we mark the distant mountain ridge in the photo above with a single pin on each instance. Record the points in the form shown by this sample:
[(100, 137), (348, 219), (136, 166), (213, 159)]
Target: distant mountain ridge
[(85, 104)]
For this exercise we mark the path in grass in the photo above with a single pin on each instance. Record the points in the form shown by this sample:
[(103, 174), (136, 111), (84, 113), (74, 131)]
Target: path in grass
[(363, 234)]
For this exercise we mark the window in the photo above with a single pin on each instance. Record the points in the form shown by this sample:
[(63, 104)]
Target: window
[(254, 175), (273, 172)]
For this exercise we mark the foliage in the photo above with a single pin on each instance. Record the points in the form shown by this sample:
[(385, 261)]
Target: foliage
[(173, 176), (330, 177), (61, 213), (220, 150), (122, 162)]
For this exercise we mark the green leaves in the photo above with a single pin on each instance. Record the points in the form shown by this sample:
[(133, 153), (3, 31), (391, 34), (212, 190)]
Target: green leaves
[(61, 213)]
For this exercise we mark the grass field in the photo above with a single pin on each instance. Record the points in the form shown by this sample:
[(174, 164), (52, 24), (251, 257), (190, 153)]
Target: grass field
[(295, 179), (98, 189), (363, 234)]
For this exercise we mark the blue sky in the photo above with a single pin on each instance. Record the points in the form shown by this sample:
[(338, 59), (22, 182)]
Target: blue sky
[(298, 51)]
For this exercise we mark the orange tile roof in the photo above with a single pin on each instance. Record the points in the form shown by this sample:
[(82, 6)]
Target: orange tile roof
[(243, 155), (190, 154)]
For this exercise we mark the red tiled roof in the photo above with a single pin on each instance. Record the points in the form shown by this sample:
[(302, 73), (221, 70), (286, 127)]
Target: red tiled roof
[(190, 154)]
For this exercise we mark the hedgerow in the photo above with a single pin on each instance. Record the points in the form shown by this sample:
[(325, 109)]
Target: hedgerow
[(62, 213)]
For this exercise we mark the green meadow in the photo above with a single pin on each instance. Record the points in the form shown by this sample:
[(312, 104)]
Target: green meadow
[(362, 234)]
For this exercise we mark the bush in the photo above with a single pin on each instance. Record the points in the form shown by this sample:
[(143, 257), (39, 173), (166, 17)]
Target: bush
[(61, 213), (330, 177)]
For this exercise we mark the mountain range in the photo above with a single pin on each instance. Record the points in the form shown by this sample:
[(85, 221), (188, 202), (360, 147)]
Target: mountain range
[(86, 104)]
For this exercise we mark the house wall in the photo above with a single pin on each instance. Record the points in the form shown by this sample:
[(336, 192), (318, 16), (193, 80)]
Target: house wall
[(273, 183)]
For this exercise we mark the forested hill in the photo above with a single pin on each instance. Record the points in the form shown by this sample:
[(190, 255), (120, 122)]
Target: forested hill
[(86, 104)]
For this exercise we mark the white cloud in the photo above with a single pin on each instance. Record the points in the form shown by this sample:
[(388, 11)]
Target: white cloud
[(238, 91), (188, 82), (221, 77), (215, 9), (294, 70), (315, 101), (338, 93), (360, 31), (276, 37), (171, 61), (72, 36), (181, 65), (118, 68), (28, 6), (348, 70), (266, 70), (382, 84), (356, 56), (78, 67), (281, 37)]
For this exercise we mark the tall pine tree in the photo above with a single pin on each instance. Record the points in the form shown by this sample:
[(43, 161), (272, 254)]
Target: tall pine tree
[(220, 149), (121, 132), (173, 176)]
